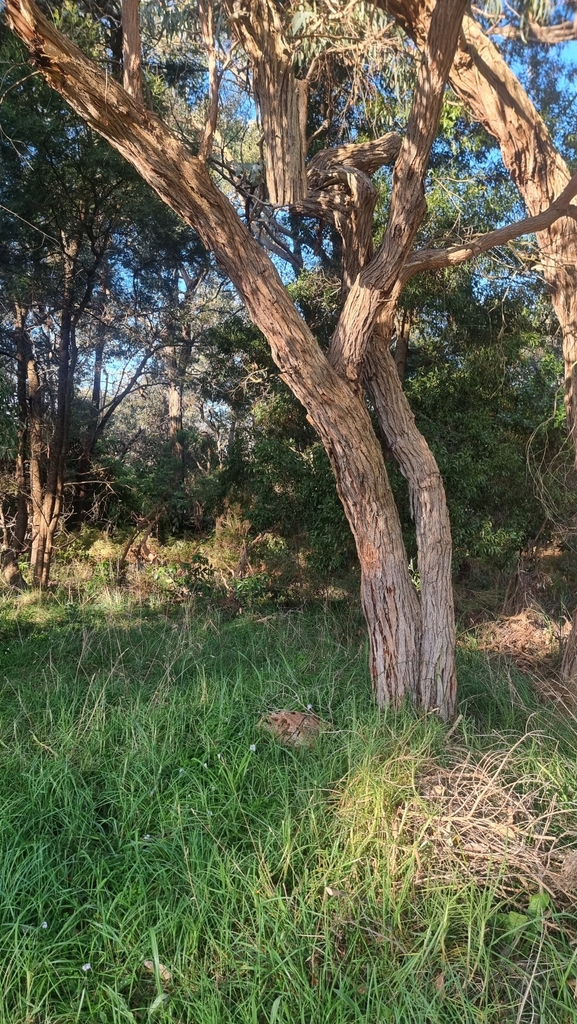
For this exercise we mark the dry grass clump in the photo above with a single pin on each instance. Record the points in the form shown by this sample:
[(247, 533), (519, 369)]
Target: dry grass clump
[(528, 639), (490, 820), (469, 821)]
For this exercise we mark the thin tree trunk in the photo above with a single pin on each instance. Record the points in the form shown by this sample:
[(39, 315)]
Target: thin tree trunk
[(14, 533), (36, 452), (51, 504), (14, 539), (175, 408), (84, 467), (131, 57)]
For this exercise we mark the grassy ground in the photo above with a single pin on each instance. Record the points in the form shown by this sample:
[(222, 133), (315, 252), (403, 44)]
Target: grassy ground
[(164, 859)]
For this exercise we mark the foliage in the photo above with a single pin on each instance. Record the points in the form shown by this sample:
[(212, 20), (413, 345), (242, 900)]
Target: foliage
[(169, 858), (481, 387)]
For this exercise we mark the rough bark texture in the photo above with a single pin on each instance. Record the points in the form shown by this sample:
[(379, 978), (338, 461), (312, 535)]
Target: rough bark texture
[(280, 95), (437, 672), (340, 416), (378, 282), (496, 98), (131, 59)]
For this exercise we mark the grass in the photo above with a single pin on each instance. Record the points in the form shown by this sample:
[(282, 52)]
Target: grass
[(204, 881)]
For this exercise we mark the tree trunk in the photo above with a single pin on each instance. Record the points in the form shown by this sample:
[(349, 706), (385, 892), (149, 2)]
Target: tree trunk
[(36, 451), (14, 539), (175, 407), (496, 98), (84, 467), (49, 508), (131, 59), (437, 686), (281, 98), (335, 407)]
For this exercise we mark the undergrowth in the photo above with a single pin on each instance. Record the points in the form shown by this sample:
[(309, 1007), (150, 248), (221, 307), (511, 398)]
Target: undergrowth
[(163, 859)]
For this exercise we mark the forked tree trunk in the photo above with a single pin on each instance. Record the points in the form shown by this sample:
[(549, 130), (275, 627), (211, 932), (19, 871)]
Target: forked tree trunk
[(437, 685), (280, 95), (496, 98), (335, 407)]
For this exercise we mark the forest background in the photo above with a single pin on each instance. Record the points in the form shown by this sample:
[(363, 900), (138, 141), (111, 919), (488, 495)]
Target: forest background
[(158, 476), (172, 413)]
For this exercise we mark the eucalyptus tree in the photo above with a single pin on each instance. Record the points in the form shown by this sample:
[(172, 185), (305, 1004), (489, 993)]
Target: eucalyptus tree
[(79, 323), (411, 635)]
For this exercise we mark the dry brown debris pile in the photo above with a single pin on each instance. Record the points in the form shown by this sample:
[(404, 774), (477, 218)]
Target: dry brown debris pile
[(294, 728), (528, 639), (468, 821)]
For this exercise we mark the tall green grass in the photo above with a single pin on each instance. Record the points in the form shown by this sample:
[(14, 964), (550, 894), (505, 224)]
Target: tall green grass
[(139, 826)]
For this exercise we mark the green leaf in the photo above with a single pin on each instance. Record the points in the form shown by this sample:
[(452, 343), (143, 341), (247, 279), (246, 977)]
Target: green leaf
[(538, 904)]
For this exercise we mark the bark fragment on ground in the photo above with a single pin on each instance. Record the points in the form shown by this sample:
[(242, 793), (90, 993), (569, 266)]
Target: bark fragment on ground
[(294, 728)]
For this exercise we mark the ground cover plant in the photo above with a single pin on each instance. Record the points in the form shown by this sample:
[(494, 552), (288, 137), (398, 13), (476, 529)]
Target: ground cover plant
[(165, 859)]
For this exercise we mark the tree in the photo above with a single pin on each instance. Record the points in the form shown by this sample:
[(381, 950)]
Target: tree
[(494, 96), (411, 637), (79, 231)]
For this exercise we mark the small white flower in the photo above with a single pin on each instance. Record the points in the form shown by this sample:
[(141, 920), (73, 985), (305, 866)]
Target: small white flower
[(252, 748), (147, 836), (309, 707), (219, 757), (44, 924), (205, 765), (86, 967)]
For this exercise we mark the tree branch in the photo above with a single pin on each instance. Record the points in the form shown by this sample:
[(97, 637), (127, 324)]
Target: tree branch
[(378, 282), (435, 259), (550, 35), (281, 96)]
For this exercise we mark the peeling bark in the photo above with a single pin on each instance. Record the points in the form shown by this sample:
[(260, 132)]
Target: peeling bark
[(406, 659), (437, 687), (281, 97), (496, 98), (131, 58), (339, 415)]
